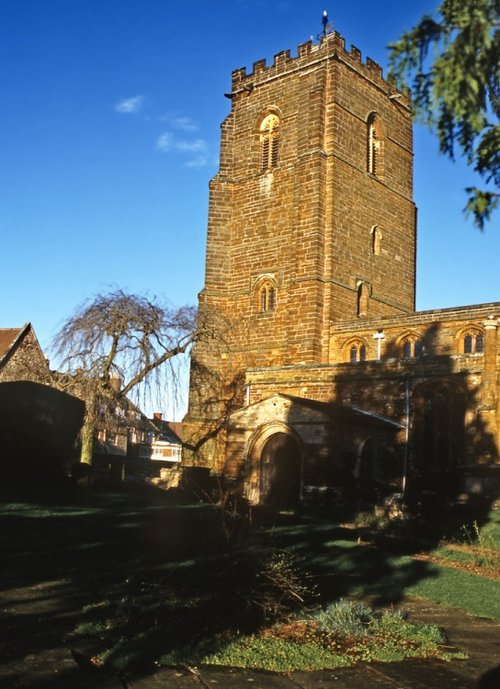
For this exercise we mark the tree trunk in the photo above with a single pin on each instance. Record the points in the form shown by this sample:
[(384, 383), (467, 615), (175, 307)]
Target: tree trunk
[(87, 451)]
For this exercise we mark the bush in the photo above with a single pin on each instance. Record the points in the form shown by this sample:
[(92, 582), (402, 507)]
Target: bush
[(260, 587), (345, 618)]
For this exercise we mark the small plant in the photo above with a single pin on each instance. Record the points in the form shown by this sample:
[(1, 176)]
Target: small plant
[(482, 548), (262, 586), (345, 618)]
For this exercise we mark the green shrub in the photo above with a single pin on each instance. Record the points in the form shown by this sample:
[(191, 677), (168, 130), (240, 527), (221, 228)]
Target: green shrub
[(276, 655), (345, 618)]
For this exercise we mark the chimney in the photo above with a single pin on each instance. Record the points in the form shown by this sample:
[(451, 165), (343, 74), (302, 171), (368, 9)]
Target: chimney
[(157, 415)]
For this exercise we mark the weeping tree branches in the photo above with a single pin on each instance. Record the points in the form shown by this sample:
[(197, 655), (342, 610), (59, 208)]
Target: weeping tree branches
[(116, 343), (452, 64)]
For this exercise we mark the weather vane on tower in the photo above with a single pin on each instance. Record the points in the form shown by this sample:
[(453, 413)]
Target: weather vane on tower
[(327, 27)]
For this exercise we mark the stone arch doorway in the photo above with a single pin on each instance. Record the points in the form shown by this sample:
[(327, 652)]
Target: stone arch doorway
[(280, 464), (275, 459), (367, 463)]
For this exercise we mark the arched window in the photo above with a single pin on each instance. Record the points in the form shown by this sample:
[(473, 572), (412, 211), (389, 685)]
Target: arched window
[(357, 352), (269, 141), (267, 297), (376, 237), (472, 342), (363, 290), (375, 149), (411, 347)]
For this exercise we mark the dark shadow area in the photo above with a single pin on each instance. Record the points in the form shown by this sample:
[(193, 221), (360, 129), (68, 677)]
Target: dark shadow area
[(137, 573), (280, 473), (445, 472), (142, 573), (341, 565), (65, 549), (490, 679), (38, 428)]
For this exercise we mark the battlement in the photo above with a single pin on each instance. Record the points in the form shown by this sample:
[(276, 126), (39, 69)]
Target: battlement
[(332, 46)]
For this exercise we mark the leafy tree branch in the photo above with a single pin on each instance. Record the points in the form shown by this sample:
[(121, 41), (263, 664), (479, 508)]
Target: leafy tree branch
[(452, 64)]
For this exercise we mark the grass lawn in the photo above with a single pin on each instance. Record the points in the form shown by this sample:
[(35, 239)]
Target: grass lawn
[(160, 584)]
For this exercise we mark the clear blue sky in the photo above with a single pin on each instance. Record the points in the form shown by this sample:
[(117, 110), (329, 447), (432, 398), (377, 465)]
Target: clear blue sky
[(110, 132)]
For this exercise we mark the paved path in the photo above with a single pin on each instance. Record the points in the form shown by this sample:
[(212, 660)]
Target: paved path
[(49, 664)]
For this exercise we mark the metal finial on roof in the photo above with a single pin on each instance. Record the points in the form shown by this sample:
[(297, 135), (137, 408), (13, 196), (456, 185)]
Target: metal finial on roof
[(327, 27)]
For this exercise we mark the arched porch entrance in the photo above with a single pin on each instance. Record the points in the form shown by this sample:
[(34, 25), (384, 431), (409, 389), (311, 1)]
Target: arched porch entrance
[(276, 467)]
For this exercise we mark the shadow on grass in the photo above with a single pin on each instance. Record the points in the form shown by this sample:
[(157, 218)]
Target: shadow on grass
[(64, 549), (342, 565), (140, 574)]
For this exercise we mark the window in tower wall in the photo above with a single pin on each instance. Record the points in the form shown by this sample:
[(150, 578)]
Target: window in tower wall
[(267, 298), (376, 240), (269, 142), (375, 161)]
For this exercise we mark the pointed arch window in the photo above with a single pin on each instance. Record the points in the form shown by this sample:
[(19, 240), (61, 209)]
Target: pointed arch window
[(376, 240), (357, 352), (363, 291), (267, 297), (411, 347), (375, 145), (269, 141), (473, 342)]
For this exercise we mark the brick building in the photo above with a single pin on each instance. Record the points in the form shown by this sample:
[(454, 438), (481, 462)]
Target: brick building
[(326, 376)]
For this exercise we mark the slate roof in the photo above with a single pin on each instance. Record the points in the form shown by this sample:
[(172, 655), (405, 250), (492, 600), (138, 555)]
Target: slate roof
[(172, 429), (335, 409)]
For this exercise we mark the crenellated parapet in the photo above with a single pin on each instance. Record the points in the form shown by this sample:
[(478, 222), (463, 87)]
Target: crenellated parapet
[(331, 47)]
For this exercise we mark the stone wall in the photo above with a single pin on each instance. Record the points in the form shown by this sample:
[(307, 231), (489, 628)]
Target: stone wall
[(306, 224), (27, 362)]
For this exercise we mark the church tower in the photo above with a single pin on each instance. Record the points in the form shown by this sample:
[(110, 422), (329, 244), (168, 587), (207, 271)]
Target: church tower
[(311, 217)]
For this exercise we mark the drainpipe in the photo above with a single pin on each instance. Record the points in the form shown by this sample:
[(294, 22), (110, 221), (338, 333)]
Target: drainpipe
[(379, 336), (407, 432)]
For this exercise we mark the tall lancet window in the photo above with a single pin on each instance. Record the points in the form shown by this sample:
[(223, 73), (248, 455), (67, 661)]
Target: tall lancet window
[(267, 297), (375, 157), (269, 141)]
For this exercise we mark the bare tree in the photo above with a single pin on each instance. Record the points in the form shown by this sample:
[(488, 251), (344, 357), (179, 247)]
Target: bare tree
[(117, 343)]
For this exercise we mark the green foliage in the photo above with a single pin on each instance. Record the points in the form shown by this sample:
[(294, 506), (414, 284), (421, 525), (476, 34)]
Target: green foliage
[(491, 530), (393, 624), (345, 618), (276, 655), (338, 636), (483, 547), (452, 64), (476, 595)]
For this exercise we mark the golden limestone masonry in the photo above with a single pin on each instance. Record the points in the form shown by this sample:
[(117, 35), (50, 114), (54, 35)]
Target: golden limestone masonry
[(317, 376)]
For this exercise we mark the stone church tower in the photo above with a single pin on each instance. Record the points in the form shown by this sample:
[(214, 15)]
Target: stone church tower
[(314, 354), (311, 216)]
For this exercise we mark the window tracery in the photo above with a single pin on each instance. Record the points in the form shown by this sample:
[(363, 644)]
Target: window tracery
[(375, 157), (411, 347), (357, 352), (269, 141), (472, 342), (267, 297)]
